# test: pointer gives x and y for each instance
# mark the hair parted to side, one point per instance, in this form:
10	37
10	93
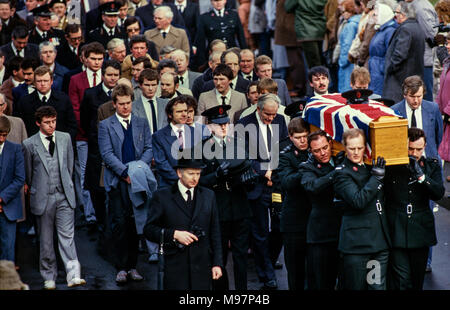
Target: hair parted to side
353	133
43	70
360	74
122	90
44	111
5	124
415	134
412	84
266	98
297	125
267	84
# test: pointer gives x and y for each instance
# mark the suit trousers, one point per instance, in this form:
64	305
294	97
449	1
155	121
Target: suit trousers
7	237
275	237
259	240
407	268
322	265
235	233
57	214
356	268
295	259
123	227
82	151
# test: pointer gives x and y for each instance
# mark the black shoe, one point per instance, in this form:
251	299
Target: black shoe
278	265
270	285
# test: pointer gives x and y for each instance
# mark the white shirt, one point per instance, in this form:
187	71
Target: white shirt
21	53
106	89
90	76
185	77
31	89
316	94
181	4
148	111
248	74
52	67
41	33
263	128
183	189
108	29
165	30
2	73
47	95
219	13
219	97
234	82
176	129
417	114
44	140
1	147
16	83
122	120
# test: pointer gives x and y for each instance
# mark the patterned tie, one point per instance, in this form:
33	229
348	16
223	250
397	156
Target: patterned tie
224	100
154	122
413	119
51	147
180	139
189	199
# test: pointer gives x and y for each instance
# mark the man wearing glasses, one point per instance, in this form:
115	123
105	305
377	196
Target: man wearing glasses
69	51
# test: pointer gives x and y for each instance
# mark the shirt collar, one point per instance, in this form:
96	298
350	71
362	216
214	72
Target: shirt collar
183	4
177	127
228	94
165	30
408	108
218	13
108	29
121	119
105	89
234	81
15	49
183	189
16	83
44	138
47	95
41	33
52	67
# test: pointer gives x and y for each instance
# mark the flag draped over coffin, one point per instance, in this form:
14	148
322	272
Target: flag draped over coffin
332	114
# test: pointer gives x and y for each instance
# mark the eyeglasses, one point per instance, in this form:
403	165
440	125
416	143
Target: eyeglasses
3	134
75	39
397	12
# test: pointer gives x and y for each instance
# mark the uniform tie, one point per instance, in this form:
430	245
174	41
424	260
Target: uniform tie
51	147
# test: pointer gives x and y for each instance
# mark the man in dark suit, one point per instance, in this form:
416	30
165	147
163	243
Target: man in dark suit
19	45
27	66
219	23
69	50
47	53
364	234
238	83
222	175
43	31
247	65
145	14
108	29
44	95
184	218
9	20
123	138
12	179
213	61
170	139
409	188
93	98
322	231
261	137
190	12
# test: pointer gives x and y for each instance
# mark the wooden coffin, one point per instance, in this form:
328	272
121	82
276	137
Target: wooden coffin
388	138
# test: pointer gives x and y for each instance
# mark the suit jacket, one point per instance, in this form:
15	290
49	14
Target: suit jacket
55	36
190	267
145	13
27	106
93	19
283	92
127	63
241	85
258	153
67	57
176	37
161	118
6	89
104	111
190	16
78	84
68	76
12	178
58	76
31	50
254	76
110	141
208	100
431	122
37	174
100	35
14	21
199	82
192	76
163	141
18	132
132	9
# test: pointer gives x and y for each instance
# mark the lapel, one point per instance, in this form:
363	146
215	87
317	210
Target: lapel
178	199
59	150
84	80
137	130
168	135
5	159
427	117
138	108
160	107
40	150
115	124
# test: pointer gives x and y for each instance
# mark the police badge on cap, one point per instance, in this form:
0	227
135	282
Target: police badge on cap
110	8
217	114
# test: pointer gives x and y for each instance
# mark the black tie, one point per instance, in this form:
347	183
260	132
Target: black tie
44	35
127	122
413	119
51	147
109	93
179	9
223	100
164	34
189	198
181	79
154	123
44	100
231	85
249	77
269	139
111	33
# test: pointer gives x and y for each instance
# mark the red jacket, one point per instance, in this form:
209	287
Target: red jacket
78	84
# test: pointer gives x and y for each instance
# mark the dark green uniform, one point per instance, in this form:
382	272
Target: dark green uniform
294	215
411	221
234	211
364	234
323	224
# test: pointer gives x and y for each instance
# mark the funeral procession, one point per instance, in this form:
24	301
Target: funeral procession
224	146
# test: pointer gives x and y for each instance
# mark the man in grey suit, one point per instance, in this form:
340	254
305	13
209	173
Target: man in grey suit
186	77
49	166
148	106
123	138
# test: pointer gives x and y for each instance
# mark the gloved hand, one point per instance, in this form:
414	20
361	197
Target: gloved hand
379	169
249	177
415	168
222	170
339	159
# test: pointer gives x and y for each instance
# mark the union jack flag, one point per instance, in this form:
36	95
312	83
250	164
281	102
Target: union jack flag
332	114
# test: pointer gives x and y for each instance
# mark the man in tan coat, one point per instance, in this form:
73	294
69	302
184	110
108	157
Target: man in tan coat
165	34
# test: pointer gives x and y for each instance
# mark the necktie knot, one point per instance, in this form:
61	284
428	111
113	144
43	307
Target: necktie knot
51	147
413	119
181	79
231	85
44	35
189	198
164	34
109	93
127	121
249	77
44	99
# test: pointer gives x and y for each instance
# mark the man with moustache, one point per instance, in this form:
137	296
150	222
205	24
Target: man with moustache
319	80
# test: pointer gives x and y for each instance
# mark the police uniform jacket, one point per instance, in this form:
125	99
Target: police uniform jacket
325	219
231	196
411	222
296	205
210	27
102	36
55	36
190	267
364	226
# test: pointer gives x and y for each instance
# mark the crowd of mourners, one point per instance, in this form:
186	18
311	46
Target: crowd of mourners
176	130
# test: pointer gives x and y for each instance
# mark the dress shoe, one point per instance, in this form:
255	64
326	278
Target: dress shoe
134	275
49	285
153	258
428	269
76	282
278	265
270	285
121	277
